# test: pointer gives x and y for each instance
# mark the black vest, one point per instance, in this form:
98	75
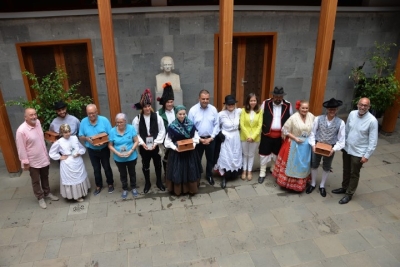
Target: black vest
269	115
153	126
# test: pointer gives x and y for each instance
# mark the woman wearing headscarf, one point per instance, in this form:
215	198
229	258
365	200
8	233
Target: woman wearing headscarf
184	168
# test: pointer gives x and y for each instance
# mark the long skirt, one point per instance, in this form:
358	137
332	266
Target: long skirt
183	172
296	184
75	191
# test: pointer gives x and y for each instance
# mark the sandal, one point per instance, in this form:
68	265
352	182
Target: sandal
249	176
244	175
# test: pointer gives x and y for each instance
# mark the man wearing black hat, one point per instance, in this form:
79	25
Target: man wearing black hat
167	113
327	129
276	112
63	117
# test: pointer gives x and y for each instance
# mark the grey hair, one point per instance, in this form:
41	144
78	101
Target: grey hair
120	116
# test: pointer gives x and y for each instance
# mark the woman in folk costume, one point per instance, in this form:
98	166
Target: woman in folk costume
292	168
230	156
250	129
168	113
151	132
184	168
74	183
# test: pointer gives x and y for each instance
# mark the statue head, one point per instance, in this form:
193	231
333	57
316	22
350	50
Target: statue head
167	64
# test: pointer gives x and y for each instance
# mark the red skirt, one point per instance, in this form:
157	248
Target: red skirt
282	179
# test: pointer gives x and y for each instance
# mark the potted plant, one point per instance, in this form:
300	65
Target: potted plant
381	85
48	90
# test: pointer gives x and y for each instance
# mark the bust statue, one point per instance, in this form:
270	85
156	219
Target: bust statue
167	65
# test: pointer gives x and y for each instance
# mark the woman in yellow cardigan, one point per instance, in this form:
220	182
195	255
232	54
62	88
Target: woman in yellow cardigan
250	128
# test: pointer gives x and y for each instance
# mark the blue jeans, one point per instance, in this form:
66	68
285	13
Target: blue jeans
98	158
209	149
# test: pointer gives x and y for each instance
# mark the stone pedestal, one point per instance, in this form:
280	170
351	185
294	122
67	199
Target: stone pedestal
178	95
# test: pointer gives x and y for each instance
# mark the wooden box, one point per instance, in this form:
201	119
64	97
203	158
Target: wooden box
99	139
185	145
51	136
323	149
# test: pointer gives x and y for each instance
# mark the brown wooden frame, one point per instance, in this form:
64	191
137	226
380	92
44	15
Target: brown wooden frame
267	68
59	62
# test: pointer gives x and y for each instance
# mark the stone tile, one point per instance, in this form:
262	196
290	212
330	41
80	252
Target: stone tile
394	208
71	246
373	236
11	254
380	198
30	204
140	257
245	191
162	217
128	239
210	228
83	227
216	210
263	219
6	236
359	259
110	241
353	241
60	262
15	182
229	224
82	260
394	250
27	264
240	242
197	213
120	208
241	259
97	210
383	215
244	222
235	207
284	234
148	204
333	262
383	257
200	199
41	216
336	208
265	203
345	221
393	180
34	251
93	244
56	230
180	215
7	193
166	253
330	245
307	251
18	219
261	238
294	199
189	251
182	232
210	262
364	218
260	189
26	234
9	206
172	202
232	194
219	195
286	255
214	247
286	215
151	235
262	256
137	220
378	184
52	249
22	191
373	172
389	231
109	224
306	230
113	258
77	211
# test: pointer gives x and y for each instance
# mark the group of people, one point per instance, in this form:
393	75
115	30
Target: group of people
228	138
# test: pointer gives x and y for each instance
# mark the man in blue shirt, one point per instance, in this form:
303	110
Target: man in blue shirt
361	139
205	118
99	155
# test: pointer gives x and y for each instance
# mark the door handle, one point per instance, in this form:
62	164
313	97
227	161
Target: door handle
243	81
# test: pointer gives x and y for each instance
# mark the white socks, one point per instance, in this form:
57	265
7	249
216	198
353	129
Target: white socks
314	173
263	169
324	177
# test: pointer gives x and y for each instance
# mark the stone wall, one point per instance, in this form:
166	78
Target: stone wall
142	39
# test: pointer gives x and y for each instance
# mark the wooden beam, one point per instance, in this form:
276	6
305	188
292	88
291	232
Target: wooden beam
322	54
110	66
7	142
392	113
225	49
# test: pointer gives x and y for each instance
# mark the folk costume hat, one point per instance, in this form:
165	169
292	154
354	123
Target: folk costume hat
59	105
168	94
332	103
278	91
230	100
145	99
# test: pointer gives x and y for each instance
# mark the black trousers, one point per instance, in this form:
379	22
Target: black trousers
124	168
148	155
209	149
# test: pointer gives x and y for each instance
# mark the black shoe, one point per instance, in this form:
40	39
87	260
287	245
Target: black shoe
160	186
261	179
322	191
97	191
345	199
110	189
210	180
339	191
146	188
309	189
223	183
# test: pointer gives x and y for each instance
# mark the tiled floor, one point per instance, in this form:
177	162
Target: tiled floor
247	224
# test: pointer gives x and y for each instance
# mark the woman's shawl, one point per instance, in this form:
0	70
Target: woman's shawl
181	130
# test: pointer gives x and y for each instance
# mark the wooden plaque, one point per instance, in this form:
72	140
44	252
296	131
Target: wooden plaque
51	136
185	145
99	139
323	149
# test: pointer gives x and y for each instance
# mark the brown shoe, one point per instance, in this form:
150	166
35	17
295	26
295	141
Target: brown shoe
244	175
249	176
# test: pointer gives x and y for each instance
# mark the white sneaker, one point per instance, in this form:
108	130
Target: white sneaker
52	197
79	199
42	203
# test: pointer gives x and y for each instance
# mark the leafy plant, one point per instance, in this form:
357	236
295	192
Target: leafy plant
380	86
48	90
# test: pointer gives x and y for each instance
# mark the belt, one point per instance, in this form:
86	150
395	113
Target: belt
97	149
205	137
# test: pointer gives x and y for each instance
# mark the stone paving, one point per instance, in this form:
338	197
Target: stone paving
247	224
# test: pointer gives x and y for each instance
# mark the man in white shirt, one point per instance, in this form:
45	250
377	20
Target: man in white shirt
276	112
151	133
361	140
327	129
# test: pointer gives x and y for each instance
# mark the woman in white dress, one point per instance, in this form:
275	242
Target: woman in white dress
74	183
230	155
